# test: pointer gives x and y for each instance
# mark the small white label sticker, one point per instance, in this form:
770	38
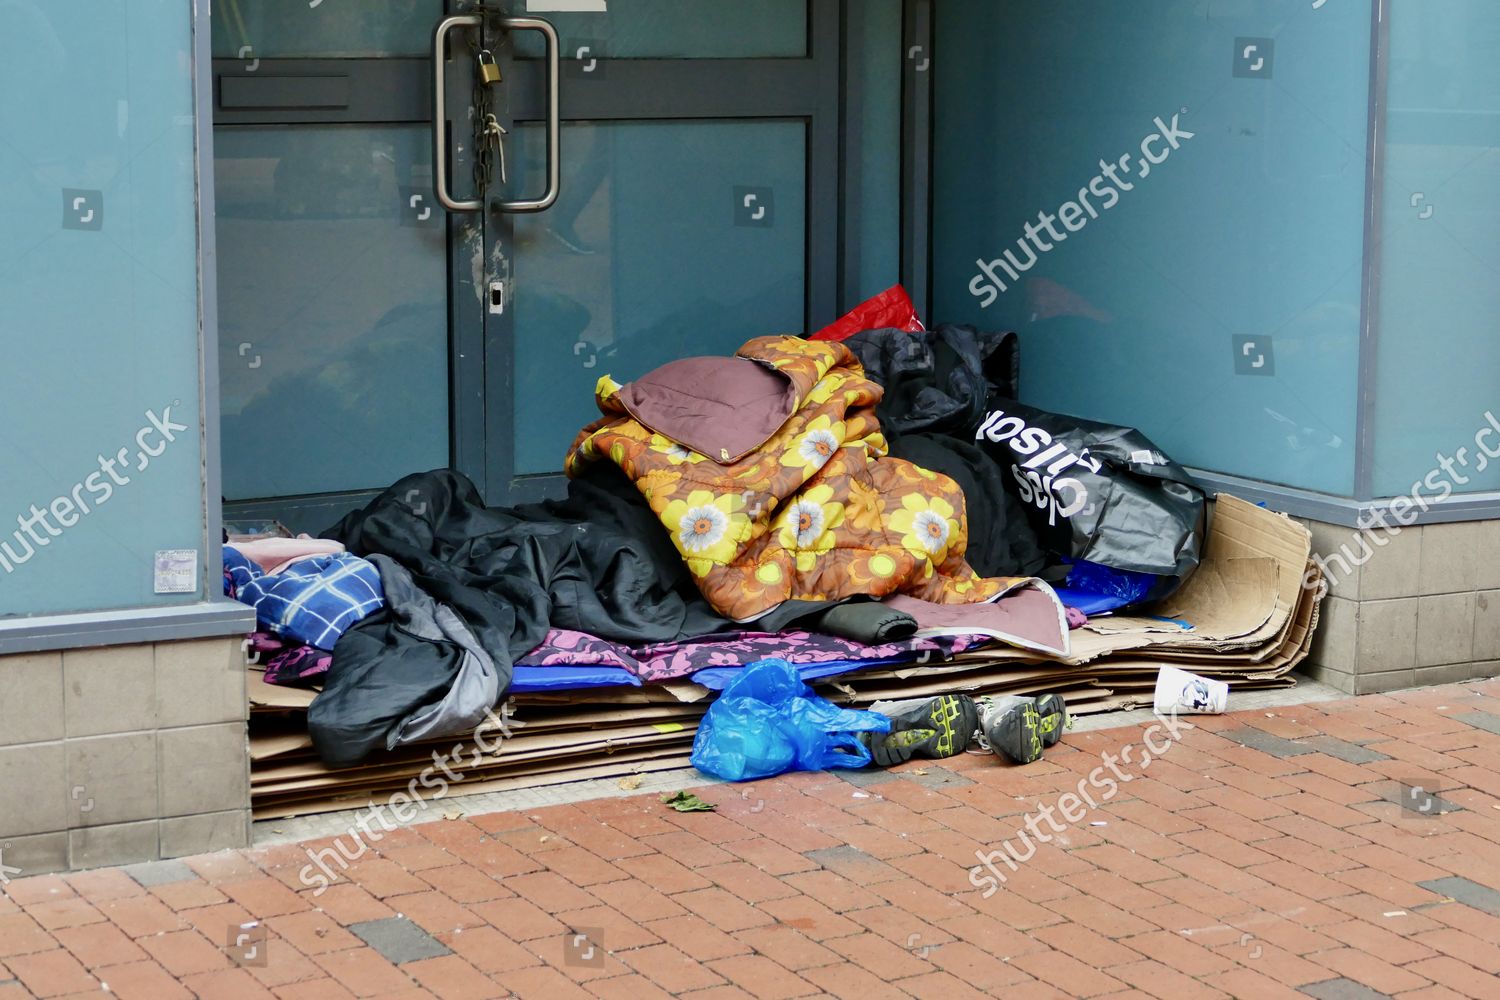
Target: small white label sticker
176	571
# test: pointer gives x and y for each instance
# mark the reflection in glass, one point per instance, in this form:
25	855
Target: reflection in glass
286	29
1440	248
98	302
333	313
1251	229
645	259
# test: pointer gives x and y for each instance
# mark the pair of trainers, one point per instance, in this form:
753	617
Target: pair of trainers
1011	726
1020	728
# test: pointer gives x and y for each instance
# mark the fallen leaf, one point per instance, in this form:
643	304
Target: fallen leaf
687	802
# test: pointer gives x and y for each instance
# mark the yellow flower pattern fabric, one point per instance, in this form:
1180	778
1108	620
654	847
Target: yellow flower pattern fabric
926	524
708	528
819	511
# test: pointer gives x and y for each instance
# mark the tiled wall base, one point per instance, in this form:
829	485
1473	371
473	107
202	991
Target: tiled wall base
121	754
1409	608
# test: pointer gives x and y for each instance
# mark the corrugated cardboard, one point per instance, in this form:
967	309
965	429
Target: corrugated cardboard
1251	619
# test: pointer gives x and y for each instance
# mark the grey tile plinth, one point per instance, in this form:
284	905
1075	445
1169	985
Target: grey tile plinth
109	690
1450	558
1387	635
204	769
206	833
199	682
1394	567
1445	629
36	855
111	779
1335	643
118	844
31	698
33	789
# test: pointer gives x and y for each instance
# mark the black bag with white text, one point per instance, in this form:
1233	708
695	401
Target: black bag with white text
1097	492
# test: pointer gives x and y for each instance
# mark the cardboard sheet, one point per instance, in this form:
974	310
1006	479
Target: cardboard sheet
1252	622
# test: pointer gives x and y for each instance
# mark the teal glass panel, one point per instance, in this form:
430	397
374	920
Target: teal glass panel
286	29
1438	368
99	327
1214	303
673	29
872	104
333	314
670	239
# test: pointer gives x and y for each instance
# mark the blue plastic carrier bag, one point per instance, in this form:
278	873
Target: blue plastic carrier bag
767	721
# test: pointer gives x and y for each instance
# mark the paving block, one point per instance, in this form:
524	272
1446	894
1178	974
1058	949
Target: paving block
1343	989
1265	742
399	940
1351	753
1467	892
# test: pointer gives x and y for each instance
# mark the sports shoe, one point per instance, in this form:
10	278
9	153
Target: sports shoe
1012	727
936	728
1054	717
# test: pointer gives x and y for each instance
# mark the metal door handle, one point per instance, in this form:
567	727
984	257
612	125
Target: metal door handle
554	162
440	112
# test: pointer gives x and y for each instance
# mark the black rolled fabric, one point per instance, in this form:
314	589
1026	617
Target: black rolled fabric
864	621
597	561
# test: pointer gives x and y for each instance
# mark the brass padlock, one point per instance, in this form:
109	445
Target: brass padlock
489	70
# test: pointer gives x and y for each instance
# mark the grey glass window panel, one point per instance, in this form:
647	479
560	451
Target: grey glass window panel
333	314
286	29
1252	228
678	29
100	315
665	271
1438	360
872	225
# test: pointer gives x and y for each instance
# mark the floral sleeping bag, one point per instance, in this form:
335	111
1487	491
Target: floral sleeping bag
771	475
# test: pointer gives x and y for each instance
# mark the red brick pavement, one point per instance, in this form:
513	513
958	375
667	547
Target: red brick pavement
1234	865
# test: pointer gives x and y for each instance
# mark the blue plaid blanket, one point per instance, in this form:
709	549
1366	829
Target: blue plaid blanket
311	601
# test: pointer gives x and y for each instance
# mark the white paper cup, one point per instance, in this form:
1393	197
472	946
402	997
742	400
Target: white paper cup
1178	691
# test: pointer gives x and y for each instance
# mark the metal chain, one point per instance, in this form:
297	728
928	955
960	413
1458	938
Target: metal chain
488	132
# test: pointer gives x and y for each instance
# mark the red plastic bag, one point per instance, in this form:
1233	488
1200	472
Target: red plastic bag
891	308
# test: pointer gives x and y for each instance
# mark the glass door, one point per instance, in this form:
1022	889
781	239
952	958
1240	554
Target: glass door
697	205
349	316
662	182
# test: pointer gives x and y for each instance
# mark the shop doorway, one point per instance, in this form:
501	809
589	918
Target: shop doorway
375	322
